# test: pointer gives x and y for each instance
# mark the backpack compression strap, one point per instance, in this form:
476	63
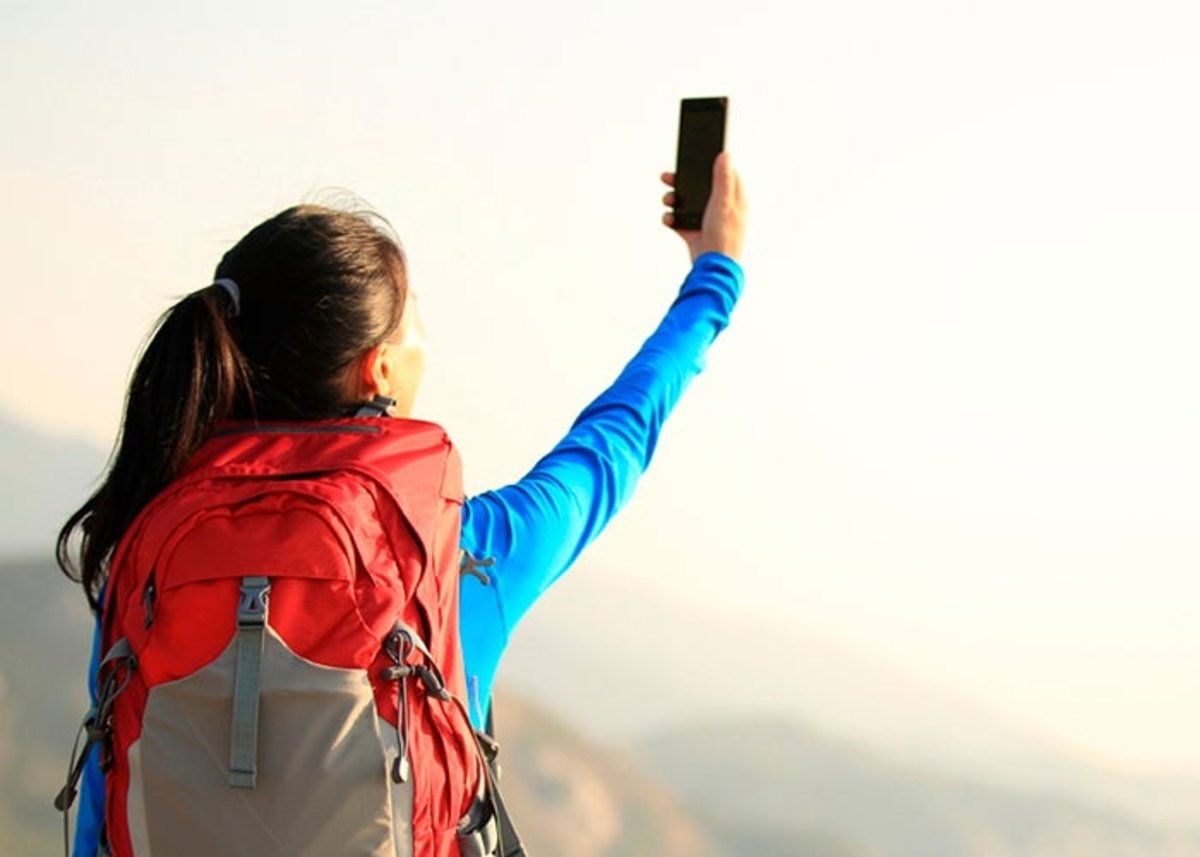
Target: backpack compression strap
247	682
114	673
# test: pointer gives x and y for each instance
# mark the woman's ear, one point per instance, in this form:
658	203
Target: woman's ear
374	372
394	368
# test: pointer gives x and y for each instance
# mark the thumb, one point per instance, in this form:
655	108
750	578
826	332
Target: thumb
722	174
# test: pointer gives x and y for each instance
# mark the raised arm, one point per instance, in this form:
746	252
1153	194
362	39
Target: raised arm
535	528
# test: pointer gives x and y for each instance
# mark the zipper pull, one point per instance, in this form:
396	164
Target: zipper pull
148	596
396	645
400	769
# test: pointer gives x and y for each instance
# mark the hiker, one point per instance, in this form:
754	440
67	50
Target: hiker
291	588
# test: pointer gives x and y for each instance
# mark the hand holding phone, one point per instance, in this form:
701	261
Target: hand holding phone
708	205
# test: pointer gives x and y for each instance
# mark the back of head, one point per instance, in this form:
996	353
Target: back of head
317	287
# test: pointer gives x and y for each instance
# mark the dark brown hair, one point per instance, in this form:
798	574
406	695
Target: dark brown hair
319	286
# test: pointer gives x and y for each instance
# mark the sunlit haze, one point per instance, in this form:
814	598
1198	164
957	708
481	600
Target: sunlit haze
952	424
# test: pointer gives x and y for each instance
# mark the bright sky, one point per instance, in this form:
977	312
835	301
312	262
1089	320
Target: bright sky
953	420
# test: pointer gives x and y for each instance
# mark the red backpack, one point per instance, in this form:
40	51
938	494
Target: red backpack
283	673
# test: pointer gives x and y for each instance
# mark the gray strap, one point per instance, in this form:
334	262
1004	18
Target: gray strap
120	650
96	723
377	407
477	830
247	681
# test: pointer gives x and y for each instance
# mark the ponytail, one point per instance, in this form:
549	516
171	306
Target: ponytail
191	375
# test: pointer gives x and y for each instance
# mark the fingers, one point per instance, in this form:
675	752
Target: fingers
668	178
669	198
668	218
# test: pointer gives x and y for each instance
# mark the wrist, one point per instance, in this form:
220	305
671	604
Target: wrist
729	251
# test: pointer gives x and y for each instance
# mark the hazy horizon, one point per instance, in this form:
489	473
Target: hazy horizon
950	424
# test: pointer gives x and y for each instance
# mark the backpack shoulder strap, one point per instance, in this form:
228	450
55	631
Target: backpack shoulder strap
509	838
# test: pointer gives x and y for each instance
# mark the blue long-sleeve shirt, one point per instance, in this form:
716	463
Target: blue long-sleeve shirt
535	528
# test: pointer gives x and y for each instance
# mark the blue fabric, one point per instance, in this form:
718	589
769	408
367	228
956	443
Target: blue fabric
536	527
91	786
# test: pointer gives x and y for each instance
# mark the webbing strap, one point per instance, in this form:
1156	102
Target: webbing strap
119	651
96	725
247	682
510	840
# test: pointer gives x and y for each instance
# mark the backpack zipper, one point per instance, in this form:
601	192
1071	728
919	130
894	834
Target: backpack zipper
148	596
275	428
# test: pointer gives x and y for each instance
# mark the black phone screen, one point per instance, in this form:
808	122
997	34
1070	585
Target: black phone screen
701	139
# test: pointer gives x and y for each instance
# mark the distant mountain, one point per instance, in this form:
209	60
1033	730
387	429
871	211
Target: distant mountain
622	660
44	479
742	775
45	637
572	798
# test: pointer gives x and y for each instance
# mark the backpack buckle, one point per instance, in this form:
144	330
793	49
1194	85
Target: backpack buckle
252	602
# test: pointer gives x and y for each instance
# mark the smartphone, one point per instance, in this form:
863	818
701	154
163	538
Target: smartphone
701	139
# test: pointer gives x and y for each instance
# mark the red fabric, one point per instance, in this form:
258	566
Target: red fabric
356	522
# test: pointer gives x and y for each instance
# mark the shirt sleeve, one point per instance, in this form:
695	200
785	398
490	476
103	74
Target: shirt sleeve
535	528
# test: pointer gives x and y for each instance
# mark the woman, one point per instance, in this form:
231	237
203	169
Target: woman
310	317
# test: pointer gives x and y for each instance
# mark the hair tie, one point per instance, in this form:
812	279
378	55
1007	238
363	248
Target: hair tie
234	292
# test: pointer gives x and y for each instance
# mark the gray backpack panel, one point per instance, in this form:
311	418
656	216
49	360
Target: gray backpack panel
317	726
